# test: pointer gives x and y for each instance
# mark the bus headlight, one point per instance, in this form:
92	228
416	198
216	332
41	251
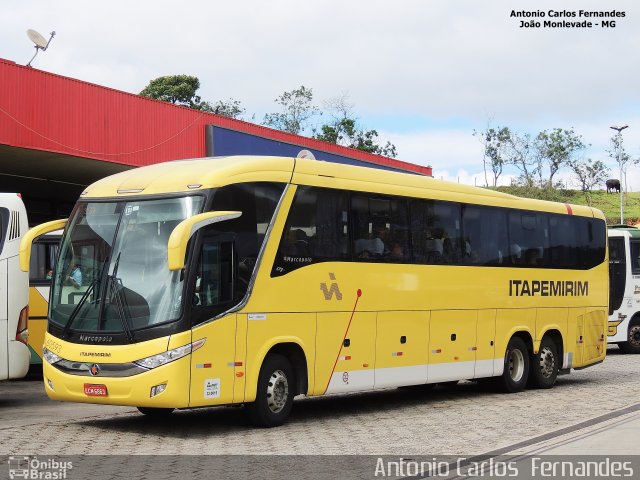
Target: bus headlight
49	356
170	355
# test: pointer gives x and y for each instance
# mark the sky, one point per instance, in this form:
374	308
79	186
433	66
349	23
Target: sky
424	73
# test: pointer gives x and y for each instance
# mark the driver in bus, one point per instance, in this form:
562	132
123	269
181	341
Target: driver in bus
75	277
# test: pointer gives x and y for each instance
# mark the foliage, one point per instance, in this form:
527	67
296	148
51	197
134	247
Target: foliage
230	108
558	147
589	174
181	90
522	155
297	108
496	142
177	89
622	158
344	130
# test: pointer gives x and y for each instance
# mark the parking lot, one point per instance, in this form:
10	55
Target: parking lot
462	420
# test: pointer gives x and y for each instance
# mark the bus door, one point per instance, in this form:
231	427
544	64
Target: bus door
617	272
452	345
212	292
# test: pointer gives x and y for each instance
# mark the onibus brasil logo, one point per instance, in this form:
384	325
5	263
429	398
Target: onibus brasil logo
32	467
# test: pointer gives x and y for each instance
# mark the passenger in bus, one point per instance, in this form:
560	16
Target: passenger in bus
297	243
516	254
532	256
434	247
382	233
75	277
374	245
397	252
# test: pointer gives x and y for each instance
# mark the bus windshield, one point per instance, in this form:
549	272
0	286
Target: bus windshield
112	273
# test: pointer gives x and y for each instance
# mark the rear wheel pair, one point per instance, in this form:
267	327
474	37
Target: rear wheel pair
522	368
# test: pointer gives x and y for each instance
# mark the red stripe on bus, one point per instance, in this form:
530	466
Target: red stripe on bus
358	295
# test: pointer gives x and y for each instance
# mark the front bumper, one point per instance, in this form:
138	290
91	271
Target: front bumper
130	390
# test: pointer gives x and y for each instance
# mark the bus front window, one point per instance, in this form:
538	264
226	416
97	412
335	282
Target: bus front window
112	274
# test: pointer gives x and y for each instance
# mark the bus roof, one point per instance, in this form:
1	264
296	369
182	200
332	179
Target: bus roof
620	230
204	173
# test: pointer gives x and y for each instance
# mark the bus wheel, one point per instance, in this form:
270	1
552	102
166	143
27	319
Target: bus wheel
544	365
155	412
274	396
516	367
632	345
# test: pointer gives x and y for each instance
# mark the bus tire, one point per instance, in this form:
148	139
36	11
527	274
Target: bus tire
544	365
275	392
516	367
155	412
632	345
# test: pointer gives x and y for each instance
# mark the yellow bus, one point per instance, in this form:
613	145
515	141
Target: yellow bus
250	280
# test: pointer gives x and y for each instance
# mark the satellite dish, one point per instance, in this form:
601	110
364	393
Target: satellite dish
38	39
306	154
40	42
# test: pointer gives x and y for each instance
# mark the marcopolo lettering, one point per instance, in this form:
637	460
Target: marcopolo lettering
96	338
548	288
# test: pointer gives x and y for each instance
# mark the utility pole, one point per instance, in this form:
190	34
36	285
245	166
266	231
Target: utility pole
619	130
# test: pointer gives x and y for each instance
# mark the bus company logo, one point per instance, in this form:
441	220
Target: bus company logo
95	354
94	369
613	328
96	338
329	292
33	467
548	288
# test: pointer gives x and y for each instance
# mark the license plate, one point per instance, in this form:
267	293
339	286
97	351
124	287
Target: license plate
93	390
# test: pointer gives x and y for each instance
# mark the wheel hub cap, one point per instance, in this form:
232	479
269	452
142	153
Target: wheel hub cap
634	336
547	362
516	365
277	391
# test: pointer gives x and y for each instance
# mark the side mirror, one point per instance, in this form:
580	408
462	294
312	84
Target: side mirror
179	238
31	235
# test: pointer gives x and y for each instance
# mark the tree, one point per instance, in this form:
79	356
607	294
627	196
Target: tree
622	158
344	130
177	89
230	108
496	142
520	153
297	108
589	174
181	90
558	147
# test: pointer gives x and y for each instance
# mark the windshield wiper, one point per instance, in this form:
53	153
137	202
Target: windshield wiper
76	310
114	290
83	299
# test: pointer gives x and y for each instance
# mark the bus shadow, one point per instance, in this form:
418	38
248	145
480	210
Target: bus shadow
220	421
211	421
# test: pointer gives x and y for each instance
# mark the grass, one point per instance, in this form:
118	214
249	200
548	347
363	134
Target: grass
609	203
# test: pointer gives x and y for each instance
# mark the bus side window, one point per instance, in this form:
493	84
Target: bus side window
634	250
215	279
316	230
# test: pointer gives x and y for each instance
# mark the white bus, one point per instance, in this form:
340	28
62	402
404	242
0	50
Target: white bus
624	287
14	290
